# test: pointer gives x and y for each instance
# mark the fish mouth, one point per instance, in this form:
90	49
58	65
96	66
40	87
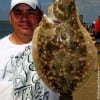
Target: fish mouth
52	20
57	21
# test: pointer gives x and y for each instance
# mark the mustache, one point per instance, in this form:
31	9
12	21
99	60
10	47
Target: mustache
25	23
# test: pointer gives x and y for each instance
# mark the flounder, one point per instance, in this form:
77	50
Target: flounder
63	51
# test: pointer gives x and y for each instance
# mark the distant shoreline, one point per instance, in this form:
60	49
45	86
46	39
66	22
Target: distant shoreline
4	21
5	28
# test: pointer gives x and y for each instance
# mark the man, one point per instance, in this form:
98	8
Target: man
18	77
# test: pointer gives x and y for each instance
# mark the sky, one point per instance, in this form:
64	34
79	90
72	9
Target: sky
90	9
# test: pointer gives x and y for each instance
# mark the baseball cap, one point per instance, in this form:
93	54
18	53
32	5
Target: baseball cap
31	3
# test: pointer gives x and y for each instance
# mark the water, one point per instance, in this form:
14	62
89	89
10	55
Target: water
5	28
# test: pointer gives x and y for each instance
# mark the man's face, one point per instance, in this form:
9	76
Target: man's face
24	19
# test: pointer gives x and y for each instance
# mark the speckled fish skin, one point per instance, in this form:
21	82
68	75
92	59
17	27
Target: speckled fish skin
64	54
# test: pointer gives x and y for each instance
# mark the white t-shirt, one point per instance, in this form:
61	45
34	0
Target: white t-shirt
18	77
27	84
7	49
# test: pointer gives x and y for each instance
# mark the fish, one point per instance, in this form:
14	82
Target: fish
62	49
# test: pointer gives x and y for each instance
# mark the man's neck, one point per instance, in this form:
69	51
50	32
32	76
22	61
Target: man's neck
18	40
